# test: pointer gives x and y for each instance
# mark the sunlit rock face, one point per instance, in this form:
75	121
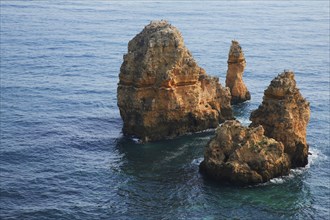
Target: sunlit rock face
162	92
243	156
284	114
234	78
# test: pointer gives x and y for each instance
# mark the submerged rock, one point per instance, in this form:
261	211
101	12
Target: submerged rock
234	78
242	155
162	91
284	114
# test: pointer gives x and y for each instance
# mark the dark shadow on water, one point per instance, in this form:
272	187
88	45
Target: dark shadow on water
160	176
242	109
164	176
286	198
155	156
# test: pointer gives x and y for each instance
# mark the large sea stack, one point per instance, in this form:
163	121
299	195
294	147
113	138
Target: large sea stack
234	78
243	156
284	114
162	92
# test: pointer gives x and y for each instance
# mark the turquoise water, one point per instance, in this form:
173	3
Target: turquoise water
63	155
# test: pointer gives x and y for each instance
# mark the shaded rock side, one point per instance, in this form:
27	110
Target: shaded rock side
284	114
234	78
244	156
162	92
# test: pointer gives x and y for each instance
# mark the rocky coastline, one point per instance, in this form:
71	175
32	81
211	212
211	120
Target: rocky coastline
273	143
162	93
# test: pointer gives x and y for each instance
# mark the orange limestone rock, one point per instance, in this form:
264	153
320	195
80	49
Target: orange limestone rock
234	78
243	155
284	114
162	92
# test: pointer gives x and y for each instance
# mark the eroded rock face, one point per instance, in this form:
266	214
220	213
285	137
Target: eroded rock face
234	78
162	91
242	155
284	114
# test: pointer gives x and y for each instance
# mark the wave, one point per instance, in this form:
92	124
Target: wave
197	161
314	157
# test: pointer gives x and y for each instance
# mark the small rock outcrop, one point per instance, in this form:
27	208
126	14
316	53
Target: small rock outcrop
234	78
284	114
162	92
243	156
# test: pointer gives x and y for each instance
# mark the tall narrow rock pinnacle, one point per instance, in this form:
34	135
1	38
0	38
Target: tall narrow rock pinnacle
234	78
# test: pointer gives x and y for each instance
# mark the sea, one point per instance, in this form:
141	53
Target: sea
63	154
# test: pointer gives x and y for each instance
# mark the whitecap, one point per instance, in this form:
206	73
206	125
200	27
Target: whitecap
244	121
315	155
292	174
278	180
297	171
136	140
197	161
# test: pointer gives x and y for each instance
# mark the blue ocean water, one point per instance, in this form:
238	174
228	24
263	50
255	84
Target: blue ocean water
63	155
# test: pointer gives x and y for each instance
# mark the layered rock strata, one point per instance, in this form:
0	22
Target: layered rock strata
234	78
243	155
284	114
162	92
